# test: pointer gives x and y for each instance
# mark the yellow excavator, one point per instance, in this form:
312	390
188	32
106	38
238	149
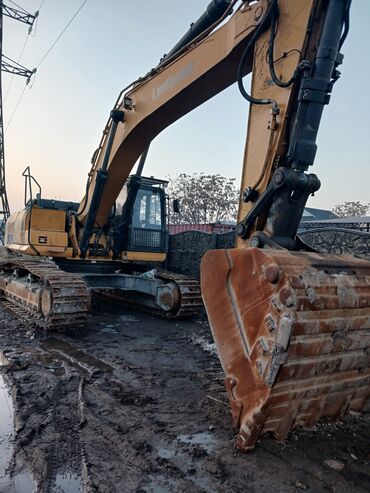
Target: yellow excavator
291	325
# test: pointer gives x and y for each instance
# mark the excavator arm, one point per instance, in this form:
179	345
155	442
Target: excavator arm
178	85
213	61
291	325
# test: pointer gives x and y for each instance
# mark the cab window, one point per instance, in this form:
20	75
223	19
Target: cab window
147	210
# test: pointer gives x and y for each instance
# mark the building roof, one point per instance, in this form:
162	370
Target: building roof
344	220
313	214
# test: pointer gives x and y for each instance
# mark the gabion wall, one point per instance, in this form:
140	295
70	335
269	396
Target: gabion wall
186	249
339	241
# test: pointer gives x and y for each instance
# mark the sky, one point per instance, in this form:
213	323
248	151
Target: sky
61	116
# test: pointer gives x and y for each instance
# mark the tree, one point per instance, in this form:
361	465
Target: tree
351	209
204	198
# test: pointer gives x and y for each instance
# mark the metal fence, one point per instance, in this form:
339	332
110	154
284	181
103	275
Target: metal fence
353	223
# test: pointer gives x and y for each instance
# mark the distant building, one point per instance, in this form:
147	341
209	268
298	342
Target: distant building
312	219
354	223
312	214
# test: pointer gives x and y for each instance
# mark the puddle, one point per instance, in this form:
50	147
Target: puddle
3	359
22	482
204	439
160	484
128	319
165	453
6	426
47	360
61	350
67	483
108	330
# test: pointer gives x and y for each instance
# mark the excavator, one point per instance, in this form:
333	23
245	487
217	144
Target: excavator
291	325
125	262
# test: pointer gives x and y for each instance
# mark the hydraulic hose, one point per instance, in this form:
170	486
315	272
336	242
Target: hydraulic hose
266	22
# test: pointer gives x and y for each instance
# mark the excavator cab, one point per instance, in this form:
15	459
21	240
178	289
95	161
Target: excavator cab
139	229
147	230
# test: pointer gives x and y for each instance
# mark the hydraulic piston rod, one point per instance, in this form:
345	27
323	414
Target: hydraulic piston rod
213	13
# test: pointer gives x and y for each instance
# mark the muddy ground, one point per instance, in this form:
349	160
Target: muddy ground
137	404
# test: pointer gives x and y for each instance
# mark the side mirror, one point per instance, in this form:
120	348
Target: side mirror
176	206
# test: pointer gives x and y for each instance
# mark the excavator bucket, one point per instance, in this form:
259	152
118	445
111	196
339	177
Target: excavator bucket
292	331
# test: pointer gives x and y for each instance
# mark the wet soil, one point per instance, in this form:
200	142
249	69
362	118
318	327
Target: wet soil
137	404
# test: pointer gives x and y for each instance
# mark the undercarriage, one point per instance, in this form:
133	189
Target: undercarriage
58	297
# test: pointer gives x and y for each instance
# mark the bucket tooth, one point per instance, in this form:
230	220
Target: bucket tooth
292	331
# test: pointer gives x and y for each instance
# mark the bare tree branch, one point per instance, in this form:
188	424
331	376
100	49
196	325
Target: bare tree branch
351	209
204	198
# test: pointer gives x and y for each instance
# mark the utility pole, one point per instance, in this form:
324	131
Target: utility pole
8	65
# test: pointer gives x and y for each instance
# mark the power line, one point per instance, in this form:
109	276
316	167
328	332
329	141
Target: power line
18	6
12	78
23	48
63	31
36	23
43	58
16	107
8	65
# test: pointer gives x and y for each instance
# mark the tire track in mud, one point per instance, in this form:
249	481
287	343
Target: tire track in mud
132	425
103	438
135	404
47	437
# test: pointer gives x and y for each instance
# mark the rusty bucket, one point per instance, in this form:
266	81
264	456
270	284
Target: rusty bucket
292	331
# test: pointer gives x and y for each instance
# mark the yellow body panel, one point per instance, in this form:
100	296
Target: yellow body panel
47	237
41	250
42	232
38	231
144	256
48	219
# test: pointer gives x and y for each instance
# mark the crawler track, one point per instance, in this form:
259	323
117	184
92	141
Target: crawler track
38	290
190	296
182	299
